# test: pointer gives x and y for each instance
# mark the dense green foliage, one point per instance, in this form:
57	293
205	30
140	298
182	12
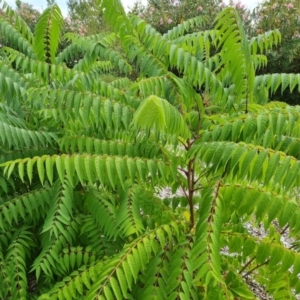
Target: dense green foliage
31	17
267	15
84	156
282	15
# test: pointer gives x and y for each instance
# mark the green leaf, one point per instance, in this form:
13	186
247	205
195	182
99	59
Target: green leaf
243	292
157	113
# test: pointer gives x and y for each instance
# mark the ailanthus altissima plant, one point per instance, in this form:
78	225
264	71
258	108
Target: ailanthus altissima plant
85	155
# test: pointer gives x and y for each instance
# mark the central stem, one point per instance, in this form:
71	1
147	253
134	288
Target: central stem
191	182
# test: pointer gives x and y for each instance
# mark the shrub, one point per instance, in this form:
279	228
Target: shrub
85	154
